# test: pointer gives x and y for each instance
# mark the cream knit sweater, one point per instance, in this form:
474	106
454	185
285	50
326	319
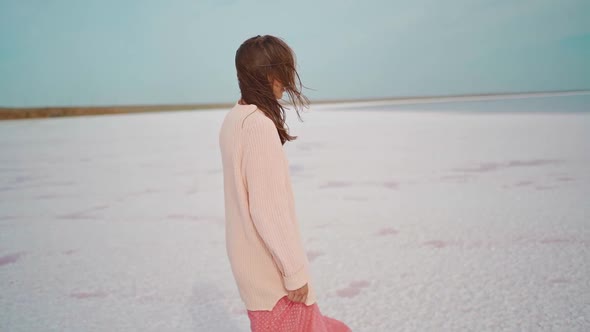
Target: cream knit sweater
262	235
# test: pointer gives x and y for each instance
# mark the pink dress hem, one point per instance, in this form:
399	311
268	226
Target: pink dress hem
289	316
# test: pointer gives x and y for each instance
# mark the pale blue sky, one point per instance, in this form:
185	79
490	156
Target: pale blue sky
150	52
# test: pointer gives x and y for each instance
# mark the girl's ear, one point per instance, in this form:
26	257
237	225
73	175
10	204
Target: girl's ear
274	83
272	80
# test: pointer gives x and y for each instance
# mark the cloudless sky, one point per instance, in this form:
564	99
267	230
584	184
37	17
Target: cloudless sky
110	52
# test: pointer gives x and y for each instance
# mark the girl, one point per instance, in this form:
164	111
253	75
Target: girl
263	242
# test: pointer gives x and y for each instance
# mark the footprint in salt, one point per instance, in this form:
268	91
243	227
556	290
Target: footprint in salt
46	196
565	178
348	292
313	254
523	183
437	243
83	214
11	258
296	169
555	239
387	231
391	184
87	295
353	289
360	284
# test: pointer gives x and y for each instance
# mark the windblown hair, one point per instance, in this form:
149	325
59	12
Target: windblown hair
259	60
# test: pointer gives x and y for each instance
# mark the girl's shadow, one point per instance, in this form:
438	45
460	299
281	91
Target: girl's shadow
209	313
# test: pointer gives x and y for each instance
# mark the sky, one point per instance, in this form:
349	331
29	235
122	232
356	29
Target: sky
107	52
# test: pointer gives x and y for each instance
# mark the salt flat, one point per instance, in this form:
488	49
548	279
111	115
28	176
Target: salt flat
412	220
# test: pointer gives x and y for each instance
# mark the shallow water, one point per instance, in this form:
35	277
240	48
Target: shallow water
562	104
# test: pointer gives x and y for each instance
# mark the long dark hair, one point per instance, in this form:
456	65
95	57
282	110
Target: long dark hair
259	60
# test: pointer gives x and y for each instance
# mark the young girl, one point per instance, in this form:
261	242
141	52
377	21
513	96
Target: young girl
263	242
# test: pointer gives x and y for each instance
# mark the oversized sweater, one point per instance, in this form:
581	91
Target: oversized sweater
263	240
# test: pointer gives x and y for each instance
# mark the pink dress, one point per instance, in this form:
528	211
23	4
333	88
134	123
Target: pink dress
289	316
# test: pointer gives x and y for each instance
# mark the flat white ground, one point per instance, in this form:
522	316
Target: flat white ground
417	221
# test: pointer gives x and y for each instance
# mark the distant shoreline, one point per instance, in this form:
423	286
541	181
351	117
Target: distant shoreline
15	113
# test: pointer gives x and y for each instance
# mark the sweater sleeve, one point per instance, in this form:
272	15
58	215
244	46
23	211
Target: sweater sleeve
271	201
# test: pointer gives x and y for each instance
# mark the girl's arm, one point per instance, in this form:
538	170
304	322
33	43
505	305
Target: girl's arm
271	199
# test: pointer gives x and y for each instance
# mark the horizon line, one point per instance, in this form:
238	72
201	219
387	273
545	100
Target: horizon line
12	113
321	101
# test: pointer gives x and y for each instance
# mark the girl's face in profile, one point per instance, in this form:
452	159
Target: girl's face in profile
278	89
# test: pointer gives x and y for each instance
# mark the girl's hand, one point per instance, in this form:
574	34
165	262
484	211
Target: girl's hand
298	295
